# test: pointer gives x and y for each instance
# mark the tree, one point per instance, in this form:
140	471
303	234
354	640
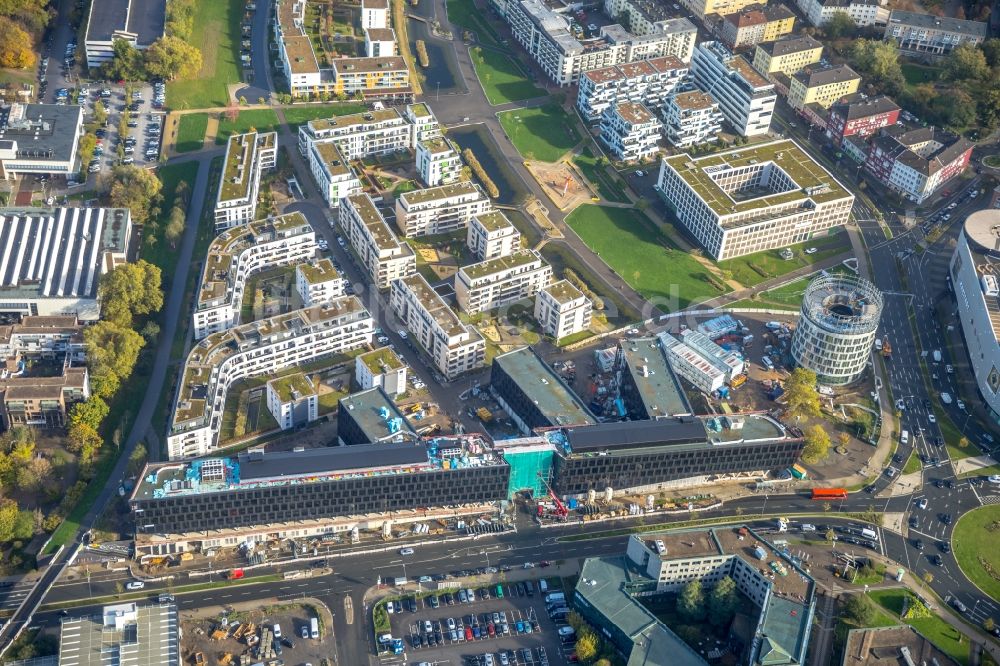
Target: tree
965	62
83	439
171	57
136	189
840	24
860	609
878	61
111	355
15	46
32	477
928	577
586	646
8	519
844	438
817	446
989	624
130	289
180	18
150	331
125	63
86	147
91	412
175	226
691	602
830	535
722	602
991	50
100	112
801	396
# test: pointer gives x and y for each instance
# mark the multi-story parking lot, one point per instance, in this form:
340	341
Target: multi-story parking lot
502	624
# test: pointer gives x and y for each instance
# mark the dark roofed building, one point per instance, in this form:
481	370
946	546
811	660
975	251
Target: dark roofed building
39	139
138	22
931	36
371	416
860	115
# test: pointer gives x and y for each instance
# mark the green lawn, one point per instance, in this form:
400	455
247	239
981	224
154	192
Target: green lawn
916	74
609	186
937	631
160	252
263	120
545	133
643	256
992	161
191	132
217	34
788	296
465	14
300	115
982	471
762	266
975	545
502	78
912	464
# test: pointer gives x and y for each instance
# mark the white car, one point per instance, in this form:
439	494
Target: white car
812	250
932	418
946	398
949	369
382	339
900	405
401	333
640	173
135	585
994	478
922	504
960	404
277	630
406	551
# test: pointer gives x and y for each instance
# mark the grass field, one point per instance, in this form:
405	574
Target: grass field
767	265
160	252
974	541
617	311
609	187
916	74
789	296
263	120
464	13
544	133
217	34
300	115
645	258
191	132
502	78
943	635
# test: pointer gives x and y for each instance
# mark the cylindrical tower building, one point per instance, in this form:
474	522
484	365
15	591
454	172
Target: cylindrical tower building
836	331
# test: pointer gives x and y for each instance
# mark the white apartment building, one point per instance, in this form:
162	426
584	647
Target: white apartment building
365	134
492	235
39	139
380	42
333	175
630	131
546	36
424	123
440	210
863	12
453	347
374	14
561	309
381	368
691	118
372	77
437	162
317	281
250	350
380	252
646	82
497	282
293	401
746	99
247	155
930	36
238	253
691	365
752	198
49	337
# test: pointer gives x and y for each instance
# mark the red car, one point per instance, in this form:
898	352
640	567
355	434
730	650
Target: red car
468	633
543	563
491	629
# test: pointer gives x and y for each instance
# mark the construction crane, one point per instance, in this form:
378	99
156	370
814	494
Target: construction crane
561	510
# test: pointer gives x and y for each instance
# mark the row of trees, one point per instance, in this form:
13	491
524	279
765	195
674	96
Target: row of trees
167	58
422	56
477	168
21	25
717	607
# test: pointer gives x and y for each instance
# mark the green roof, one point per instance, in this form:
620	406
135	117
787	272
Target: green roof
339	122
439	192
491	266
381	360
785	153
493	221
241	150
436	145
420	110
297	383
563	291
319	271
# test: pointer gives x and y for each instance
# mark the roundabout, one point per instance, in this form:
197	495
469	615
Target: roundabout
975	540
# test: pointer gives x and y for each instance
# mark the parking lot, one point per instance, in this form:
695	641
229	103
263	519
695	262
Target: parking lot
503	624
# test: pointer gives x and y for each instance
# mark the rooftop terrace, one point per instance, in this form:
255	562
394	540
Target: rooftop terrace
377	227
563	291
237	172
381	360
443	315
292	387
813	181
353	120
317	272
494	220
440	193
332	159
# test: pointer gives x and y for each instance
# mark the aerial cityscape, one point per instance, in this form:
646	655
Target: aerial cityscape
500	333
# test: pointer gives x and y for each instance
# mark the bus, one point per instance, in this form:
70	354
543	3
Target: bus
829	493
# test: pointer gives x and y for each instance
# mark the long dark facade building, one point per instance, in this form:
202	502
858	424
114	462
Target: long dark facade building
641	454
266	488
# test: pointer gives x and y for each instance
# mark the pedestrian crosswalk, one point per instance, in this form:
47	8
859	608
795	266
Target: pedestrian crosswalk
990	499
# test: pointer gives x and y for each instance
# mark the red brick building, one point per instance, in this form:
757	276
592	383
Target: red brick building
860	115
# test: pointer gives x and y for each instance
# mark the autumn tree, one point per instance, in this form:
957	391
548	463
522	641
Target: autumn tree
175	225
129	290
91	412
878	62
801	396
136	189
180	18
966	61
586	646
112	352
100	112
15	46
34	475
86	147
817	446
126	62
171	57
8	519
860	609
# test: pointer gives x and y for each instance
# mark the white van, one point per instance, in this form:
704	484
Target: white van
904	437
554	597
806	527
869	534
767	363
543	586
